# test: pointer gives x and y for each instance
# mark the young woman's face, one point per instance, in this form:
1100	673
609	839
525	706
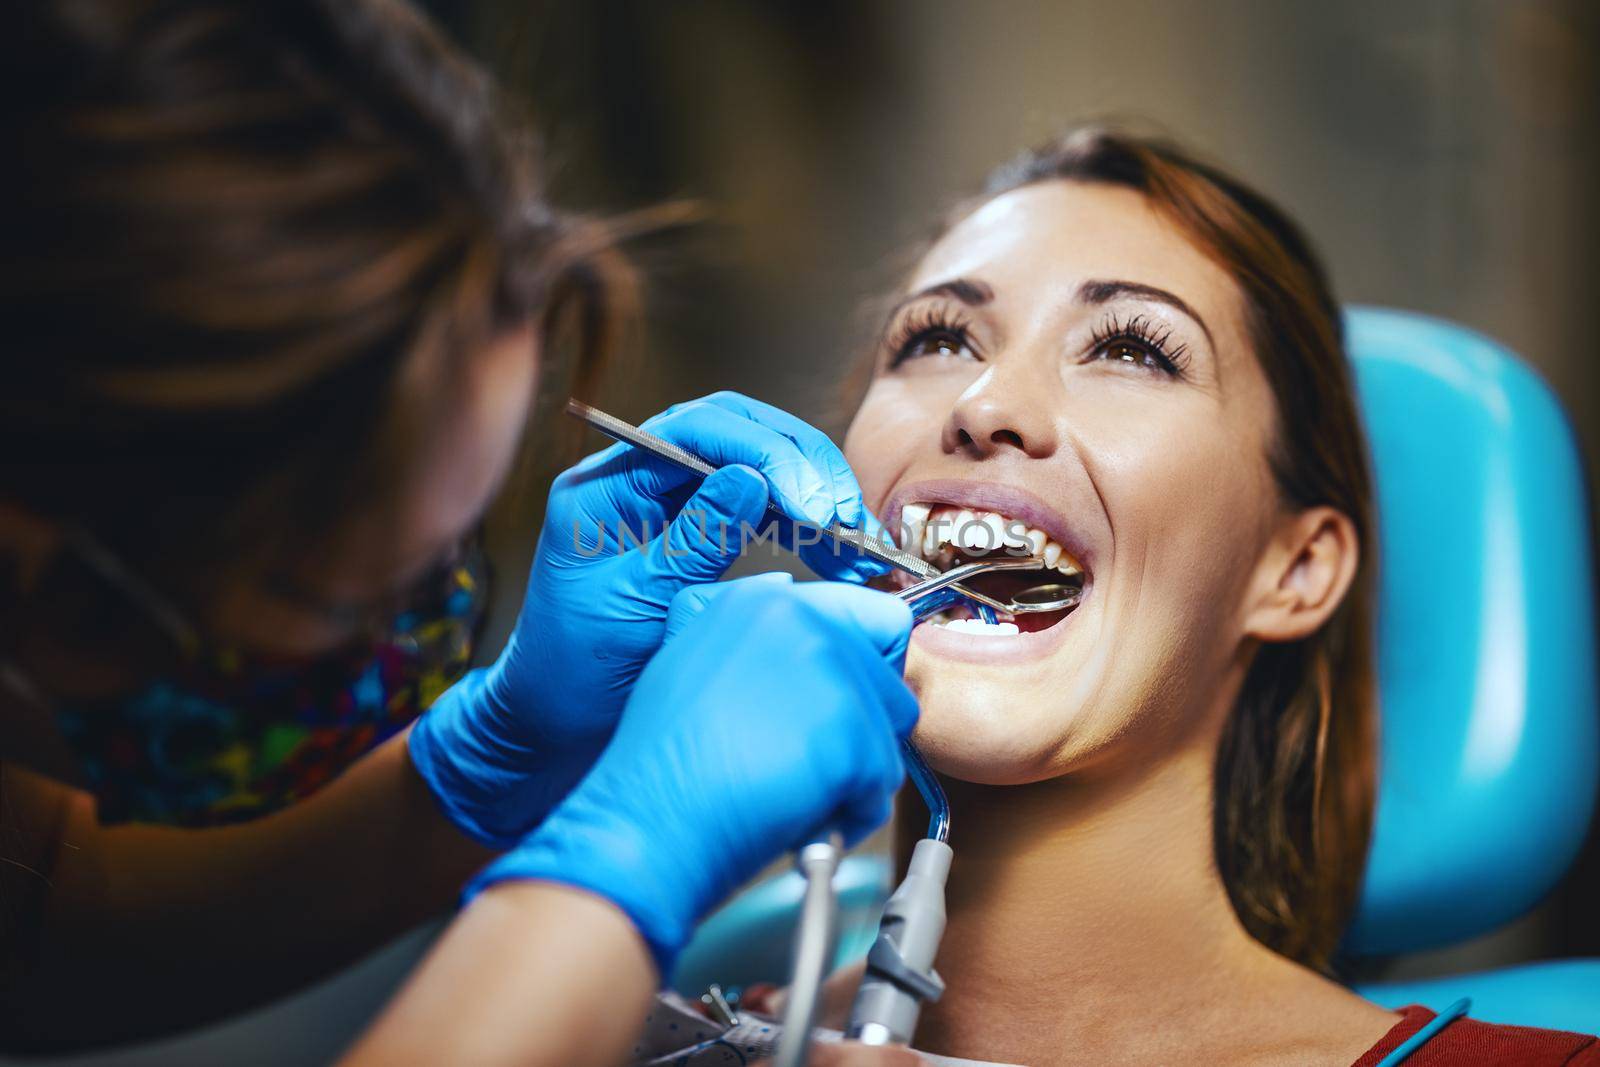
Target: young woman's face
1067	359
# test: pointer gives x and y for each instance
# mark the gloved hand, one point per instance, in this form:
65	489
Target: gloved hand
772	715
504	744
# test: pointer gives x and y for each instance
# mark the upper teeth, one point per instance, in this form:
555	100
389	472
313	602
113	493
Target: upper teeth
929	528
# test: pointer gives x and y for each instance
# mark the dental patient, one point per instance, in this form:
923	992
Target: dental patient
1130	365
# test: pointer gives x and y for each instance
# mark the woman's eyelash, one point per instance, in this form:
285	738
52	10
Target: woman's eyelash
1142	341
923	327
1138	339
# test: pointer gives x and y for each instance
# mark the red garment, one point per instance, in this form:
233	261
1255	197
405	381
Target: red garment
1467	1041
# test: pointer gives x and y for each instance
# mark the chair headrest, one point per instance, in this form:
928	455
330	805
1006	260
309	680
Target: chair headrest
1486	634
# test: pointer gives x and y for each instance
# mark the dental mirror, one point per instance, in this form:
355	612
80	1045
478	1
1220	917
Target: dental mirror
1047	596
1050	596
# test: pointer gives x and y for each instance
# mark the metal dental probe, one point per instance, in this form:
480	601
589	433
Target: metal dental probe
858	540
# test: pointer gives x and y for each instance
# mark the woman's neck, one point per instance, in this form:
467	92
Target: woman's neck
1081	905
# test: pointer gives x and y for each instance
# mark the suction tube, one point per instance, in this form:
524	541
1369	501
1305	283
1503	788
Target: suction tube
930	790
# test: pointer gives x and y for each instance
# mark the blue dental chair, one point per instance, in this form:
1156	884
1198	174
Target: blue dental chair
1486	638
1490	713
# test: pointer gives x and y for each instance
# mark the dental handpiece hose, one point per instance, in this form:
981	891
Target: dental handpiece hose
899	975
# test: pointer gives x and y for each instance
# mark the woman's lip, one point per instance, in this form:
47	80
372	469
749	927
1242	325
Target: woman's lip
947	644
1008	500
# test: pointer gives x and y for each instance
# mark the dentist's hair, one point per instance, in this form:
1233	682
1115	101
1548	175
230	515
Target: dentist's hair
250	251
1295	776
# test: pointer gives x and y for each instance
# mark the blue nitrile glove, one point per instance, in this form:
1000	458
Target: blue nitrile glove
772	715
503	745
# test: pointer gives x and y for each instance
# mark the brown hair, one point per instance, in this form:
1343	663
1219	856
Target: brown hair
1295	768
250	249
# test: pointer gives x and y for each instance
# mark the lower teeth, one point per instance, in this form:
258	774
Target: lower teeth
978	626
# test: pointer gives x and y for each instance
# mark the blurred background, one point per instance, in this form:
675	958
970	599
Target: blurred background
1443	154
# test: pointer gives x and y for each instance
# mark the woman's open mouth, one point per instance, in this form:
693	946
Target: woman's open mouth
948	535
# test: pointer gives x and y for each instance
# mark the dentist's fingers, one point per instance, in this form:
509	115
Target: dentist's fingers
868	803
639	485
816	446
694	599
827	559
801	488
883	618
884	621
808	478
704	539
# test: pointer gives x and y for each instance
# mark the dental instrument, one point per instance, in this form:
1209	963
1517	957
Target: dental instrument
813	949
1047	596
859	540
938	592
717	1003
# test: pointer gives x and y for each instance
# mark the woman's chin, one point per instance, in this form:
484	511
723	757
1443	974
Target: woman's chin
988	741
996	710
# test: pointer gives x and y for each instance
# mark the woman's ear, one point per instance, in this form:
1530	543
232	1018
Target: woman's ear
1303	575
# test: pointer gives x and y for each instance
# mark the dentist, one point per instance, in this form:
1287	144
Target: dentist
278	287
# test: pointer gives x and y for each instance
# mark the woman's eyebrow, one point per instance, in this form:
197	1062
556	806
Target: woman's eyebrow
1098	291
969	291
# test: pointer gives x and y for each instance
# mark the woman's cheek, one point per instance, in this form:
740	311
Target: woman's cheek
1202	545
891	421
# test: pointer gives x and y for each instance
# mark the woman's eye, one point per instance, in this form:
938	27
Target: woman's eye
1126	353
944	344
1140	343
1134	355
934	343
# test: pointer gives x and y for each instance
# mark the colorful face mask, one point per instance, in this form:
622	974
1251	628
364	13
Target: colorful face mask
225	739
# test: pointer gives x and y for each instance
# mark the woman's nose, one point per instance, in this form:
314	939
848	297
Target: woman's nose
1001	411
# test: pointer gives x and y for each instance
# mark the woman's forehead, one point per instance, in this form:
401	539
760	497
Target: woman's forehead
1050	237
